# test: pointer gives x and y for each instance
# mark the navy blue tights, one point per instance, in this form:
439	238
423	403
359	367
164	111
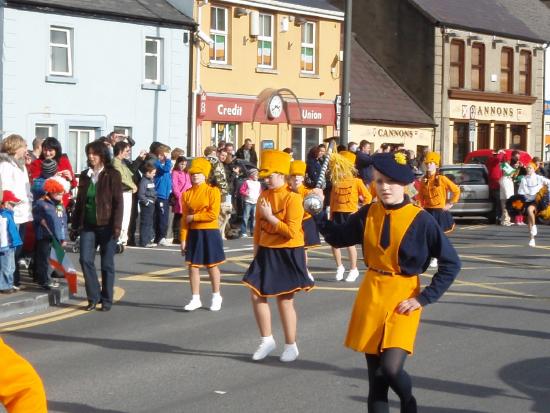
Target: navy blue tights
385	371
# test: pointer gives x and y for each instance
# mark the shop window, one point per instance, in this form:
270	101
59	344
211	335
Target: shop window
478	66
265	41
78	139
457	64
307	58
507	70
461	143
303	139
500	137
483	141
219	34
518	137
223	132
525	73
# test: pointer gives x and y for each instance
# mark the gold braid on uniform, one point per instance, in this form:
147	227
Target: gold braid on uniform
427	178
340	168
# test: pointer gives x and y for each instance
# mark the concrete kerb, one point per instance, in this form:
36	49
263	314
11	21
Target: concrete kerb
32	302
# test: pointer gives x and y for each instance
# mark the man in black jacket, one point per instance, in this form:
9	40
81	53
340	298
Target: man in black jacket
247	152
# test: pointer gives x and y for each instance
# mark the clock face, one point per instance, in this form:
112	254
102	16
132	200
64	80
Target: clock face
275	107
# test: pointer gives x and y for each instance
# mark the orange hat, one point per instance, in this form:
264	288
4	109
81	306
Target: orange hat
200	166
350	156
532	165
273	161
298	168
53	186
433	157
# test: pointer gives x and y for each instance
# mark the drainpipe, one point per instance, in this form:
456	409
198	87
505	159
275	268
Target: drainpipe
443	71
197	86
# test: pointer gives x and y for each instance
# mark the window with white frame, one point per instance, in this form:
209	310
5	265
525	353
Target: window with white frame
218	33
153	60
44	131
304	139
307	58
78	139
265	41
61	54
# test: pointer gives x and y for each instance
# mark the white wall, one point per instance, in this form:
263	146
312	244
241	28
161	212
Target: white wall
109	72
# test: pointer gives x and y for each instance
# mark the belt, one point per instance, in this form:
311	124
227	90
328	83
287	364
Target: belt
386	272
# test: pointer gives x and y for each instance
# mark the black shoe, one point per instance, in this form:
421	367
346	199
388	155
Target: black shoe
176	242
91	306
105	307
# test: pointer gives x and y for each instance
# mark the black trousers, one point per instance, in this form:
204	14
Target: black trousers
41	267
133	221
19	254
146	215
176	226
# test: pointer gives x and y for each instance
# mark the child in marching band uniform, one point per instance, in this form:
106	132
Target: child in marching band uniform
348	191
201	241
433	192
279	265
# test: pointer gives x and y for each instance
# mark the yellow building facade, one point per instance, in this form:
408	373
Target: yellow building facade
266	70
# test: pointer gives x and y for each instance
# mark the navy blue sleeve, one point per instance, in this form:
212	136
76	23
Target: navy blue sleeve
141	191
449	264
345	235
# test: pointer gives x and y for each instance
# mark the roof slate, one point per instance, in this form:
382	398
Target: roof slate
521	19
154	10
376	97
318	4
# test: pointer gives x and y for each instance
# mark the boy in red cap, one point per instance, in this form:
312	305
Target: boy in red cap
50	220
9	240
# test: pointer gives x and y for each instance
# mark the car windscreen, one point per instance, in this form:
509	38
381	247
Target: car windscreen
462	176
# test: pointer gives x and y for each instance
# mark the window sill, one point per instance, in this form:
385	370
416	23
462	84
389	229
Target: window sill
310	75
153	86
223	66
69	80
266	70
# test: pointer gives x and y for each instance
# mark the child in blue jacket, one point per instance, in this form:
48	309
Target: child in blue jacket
50	220
9	240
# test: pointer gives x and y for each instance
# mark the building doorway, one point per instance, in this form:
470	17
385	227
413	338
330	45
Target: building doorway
518	137
483	141
461	143
223	132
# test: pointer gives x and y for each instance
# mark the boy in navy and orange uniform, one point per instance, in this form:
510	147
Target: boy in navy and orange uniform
279	265
296	183
398	240
432	195
201	241
347	192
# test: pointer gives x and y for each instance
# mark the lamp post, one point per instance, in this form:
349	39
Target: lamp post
344	125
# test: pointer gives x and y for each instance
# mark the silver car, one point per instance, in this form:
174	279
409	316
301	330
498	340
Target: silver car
473	182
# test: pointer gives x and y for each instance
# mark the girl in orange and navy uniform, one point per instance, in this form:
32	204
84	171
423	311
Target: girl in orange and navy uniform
279	265
201	241
398	240
347	192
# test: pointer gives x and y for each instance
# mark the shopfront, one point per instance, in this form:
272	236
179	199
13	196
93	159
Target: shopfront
489	125
287	122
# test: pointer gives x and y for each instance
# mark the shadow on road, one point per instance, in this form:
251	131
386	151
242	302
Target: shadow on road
421	408
68	407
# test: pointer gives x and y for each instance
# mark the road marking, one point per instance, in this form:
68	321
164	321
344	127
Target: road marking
56	315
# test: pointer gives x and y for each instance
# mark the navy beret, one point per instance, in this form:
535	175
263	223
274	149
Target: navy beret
394	166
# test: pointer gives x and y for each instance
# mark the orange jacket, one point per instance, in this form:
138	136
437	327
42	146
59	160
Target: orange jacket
203	202
344	196
434	189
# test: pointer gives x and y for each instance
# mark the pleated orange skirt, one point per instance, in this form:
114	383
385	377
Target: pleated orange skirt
375	325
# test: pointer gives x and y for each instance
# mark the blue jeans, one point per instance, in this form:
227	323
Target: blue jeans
7	268
249	217
90	238
162	212
146	214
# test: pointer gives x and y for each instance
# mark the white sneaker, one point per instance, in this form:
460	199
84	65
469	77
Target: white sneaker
433	263
290	353
534	231
163	242
352	276
193	305
265	348
310	276
340	273
532	242
216	303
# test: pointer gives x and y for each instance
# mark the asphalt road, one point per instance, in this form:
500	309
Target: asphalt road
483	348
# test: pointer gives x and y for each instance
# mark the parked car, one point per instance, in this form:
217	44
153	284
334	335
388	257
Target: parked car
473	182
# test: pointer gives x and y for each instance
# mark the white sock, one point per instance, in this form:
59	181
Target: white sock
215	295
268	338
196	297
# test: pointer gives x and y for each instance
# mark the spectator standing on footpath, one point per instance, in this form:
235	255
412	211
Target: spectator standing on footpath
121	152
50	221
181	182
98	217
494	172
250	191
49	170
506	183
36	149
135	166
247	152
163	186
218	178
9	241
15	178
363	162
147	197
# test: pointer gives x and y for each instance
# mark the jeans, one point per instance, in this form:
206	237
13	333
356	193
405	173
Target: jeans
249	216
162	212
19	252
146	213
7	267
41	266
90	238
